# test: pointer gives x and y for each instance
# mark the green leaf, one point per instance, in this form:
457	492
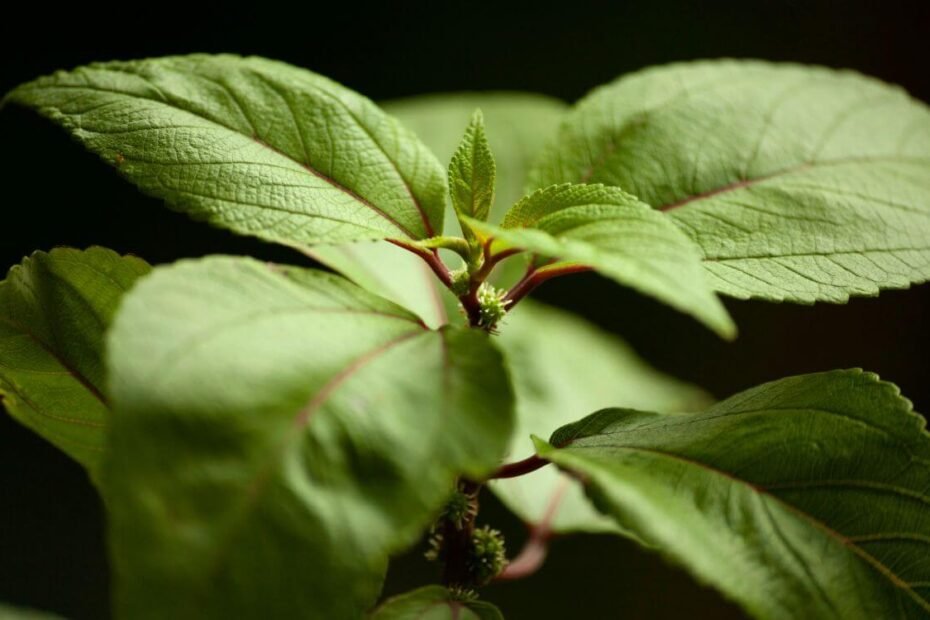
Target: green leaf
612	232
472	174
518	126
54	309
563	367
798	183
394	273
250	144
278	432
434	603
801	498
21	613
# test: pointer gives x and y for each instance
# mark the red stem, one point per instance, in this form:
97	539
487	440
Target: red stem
470	299
536	276
439	268
522	288
431	258
534	552
490	261
529	560
505	254
519	468
457	541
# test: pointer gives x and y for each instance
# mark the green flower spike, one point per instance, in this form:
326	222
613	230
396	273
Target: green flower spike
492	305
489	554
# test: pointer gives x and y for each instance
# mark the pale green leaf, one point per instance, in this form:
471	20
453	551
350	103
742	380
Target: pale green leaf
21	613
434	603
518	125
394	273
54	309
612	232
278	432
798	183
801	498
250	144
472	174
563	367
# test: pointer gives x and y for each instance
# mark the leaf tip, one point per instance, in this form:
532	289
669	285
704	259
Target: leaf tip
477	119
726	328
541	446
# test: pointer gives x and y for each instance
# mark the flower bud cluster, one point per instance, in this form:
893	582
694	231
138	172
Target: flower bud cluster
492	306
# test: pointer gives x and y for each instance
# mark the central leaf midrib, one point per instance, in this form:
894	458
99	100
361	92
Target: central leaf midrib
725	259
41	411
199	339
306	412
282	94
256	487
55	436
339	186
807	165
71	370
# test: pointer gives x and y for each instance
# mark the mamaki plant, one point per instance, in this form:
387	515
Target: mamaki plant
265	437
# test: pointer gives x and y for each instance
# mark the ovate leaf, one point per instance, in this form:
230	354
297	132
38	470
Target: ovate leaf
54	309
612	232
278	432
472	174
802	498
563	367
798	183
434	603
518	125
253	145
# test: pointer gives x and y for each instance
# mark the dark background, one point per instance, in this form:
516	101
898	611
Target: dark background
52	552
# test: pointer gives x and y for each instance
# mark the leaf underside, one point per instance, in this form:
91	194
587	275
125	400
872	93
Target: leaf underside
798	183
54	309
394	273
278	433
804	497
253	145
562	367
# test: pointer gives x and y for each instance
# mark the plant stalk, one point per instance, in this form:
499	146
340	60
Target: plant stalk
457	541
534	552
519	468
536	276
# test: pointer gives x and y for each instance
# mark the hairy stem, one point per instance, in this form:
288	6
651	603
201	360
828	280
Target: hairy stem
530	559
469	300
479	270
430	257
472	307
